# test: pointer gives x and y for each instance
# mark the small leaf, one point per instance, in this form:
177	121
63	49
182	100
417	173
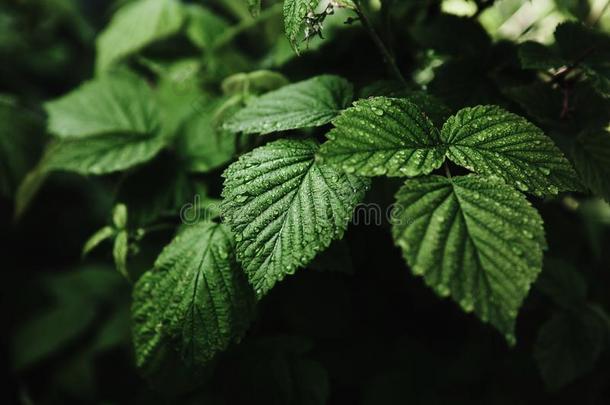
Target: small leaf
98	237
384	136
309	103
119	253
591	155
284	208
121	103
473	238
492	141
568	346
294	17
196	297
119	216
135	26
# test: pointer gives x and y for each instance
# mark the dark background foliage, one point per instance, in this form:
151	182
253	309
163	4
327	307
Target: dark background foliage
356	326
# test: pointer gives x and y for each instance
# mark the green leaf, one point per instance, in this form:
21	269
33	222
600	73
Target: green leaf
284	208
77	298
201	144
294	16
196	296
591	157
204	27
98	237
568	346
171	192
135	26
534	55
121	103
474	238
492	141
562	283
101	154
119	253
309	103
119	216
384	136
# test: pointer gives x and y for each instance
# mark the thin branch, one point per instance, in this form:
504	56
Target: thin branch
246	24
385	52
447	171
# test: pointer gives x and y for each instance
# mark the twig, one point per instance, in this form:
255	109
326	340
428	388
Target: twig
246	24
385	52
447	171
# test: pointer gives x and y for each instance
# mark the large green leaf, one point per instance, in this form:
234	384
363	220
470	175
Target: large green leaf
196	297
492	141
294	16
284	208
384	136
100	154
309	103
106	125
110	104
591	155
474	238
135	26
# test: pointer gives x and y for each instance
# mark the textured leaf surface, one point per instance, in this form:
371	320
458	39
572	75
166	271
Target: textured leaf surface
196	296
135	26
380	136
490	140
591	155
101	154
474	238
568	346
305	104
110	104
284	208
294	14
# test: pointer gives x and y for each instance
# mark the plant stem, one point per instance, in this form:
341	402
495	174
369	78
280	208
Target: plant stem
246	24
385	52
447	171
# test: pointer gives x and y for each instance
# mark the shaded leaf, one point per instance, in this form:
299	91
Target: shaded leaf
135	26
196	297
473	238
